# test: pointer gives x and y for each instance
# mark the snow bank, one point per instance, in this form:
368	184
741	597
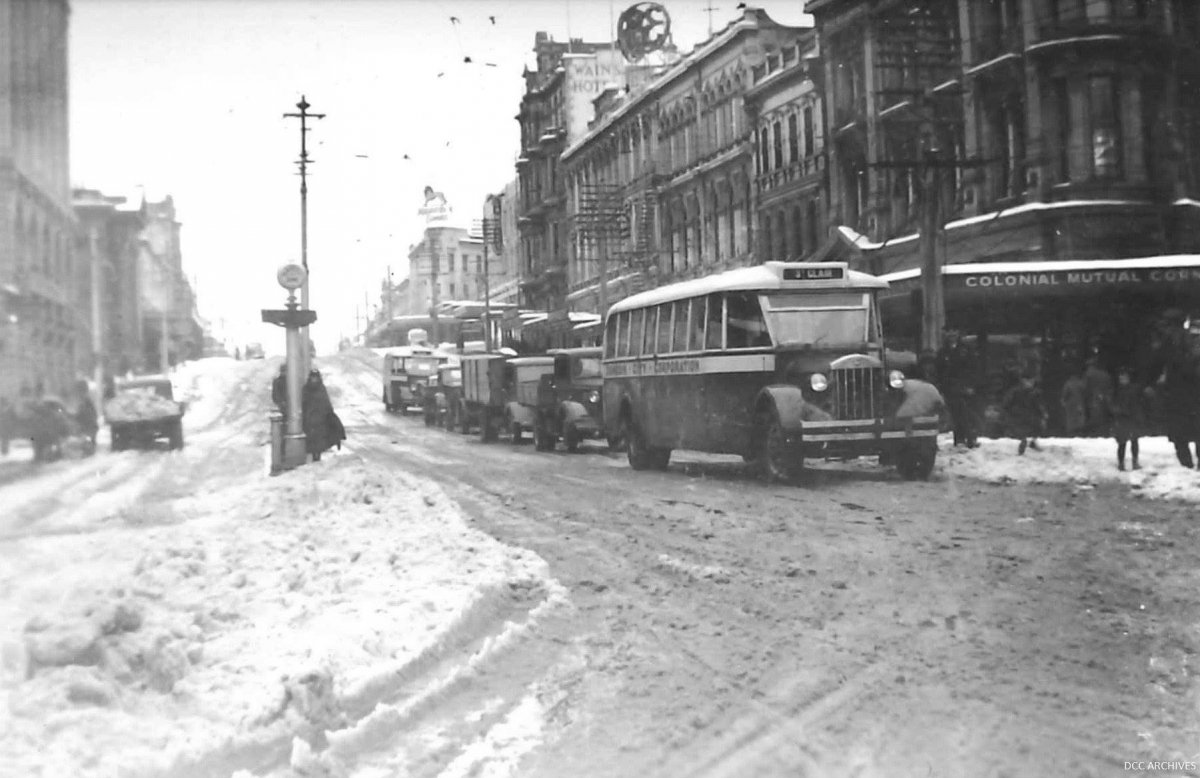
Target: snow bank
206	647
1081	461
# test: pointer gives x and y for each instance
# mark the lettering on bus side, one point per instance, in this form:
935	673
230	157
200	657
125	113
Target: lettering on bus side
679	366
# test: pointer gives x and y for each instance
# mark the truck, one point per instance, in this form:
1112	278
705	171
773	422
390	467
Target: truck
569	401
443	396
142	411
501	392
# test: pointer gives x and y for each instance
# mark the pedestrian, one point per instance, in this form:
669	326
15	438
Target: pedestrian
237	353
322	427
1029	359
279	389
1180	386
1129	414
1073	399
1098	390
1025	413
958	371
86	416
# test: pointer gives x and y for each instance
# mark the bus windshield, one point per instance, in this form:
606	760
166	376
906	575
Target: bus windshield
829	320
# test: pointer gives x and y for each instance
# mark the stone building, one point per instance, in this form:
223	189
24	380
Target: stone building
39	323
170	321
785	117
662	186
1060	143
458	253
555	109
107	251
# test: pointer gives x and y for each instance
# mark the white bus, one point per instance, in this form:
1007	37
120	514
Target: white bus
776	362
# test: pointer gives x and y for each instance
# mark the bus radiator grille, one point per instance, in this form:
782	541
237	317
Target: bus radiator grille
854	392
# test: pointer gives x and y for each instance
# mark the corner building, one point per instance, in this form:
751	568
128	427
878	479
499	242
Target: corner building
1067	134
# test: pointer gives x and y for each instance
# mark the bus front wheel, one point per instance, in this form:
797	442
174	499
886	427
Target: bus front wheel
780	460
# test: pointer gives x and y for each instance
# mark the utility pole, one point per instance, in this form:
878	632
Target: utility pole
97	322
709	9
491	235
304	161
435	247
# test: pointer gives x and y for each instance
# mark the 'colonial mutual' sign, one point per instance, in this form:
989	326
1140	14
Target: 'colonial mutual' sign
1075	278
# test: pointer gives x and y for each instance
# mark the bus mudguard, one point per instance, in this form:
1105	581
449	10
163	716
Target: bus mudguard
791	406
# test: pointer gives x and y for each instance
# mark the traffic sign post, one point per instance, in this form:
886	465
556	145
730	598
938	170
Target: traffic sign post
292	318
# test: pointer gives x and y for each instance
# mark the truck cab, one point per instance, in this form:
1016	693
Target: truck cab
569	400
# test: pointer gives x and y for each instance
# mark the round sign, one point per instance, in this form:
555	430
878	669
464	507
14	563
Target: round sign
291	276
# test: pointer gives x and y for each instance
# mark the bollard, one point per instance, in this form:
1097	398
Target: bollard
276	443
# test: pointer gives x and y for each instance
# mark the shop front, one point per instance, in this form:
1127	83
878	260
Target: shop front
1061	312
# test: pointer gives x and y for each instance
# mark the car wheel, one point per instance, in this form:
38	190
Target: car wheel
571	438
515	427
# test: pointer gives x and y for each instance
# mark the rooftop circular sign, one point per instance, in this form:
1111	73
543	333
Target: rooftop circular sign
291	276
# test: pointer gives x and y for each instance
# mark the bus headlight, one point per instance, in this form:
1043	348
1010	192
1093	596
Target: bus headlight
594	397
818	382
896	379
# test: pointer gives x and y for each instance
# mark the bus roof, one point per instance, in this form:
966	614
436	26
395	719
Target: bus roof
770	276
527	361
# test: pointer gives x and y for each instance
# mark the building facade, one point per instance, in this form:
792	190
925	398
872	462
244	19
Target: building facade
170	321
1059	143
107	249
39	342
662	186
785	115
449	260
555	110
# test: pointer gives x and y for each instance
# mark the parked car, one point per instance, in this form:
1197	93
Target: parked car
45	422
569	401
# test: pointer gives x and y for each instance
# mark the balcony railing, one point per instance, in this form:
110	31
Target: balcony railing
794	171
1120	22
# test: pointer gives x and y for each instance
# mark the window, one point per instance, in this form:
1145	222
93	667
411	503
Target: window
1062	98
635	332
1106	126
763	148
679	341
777	131
614	346
696	326
744	323
715	323
665	327
650	333
809	141
793	139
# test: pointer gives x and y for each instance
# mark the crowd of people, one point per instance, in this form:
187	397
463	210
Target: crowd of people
1123	403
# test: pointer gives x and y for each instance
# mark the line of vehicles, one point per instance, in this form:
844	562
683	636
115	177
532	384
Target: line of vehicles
778	362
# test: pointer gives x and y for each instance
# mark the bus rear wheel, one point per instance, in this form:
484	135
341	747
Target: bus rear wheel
781	461
641	455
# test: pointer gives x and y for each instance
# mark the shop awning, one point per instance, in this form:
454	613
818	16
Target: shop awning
1054	278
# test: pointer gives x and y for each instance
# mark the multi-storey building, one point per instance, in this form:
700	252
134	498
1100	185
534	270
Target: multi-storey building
458	256
555	111
662	186
1062	139
504	244
171	330
38	325
784	109
107	248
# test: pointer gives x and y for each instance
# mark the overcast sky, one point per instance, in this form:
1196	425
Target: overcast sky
185	97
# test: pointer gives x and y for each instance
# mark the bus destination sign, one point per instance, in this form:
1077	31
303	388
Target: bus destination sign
814	273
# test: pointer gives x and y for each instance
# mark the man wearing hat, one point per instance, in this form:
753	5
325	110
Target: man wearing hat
958	374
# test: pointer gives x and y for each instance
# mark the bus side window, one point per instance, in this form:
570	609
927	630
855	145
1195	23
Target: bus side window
664	328
635	332
745	323
715	329
680	342
696	325
648	341
610	337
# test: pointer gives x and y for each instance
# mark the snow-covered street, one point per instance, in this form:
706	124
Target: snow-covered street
419	603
